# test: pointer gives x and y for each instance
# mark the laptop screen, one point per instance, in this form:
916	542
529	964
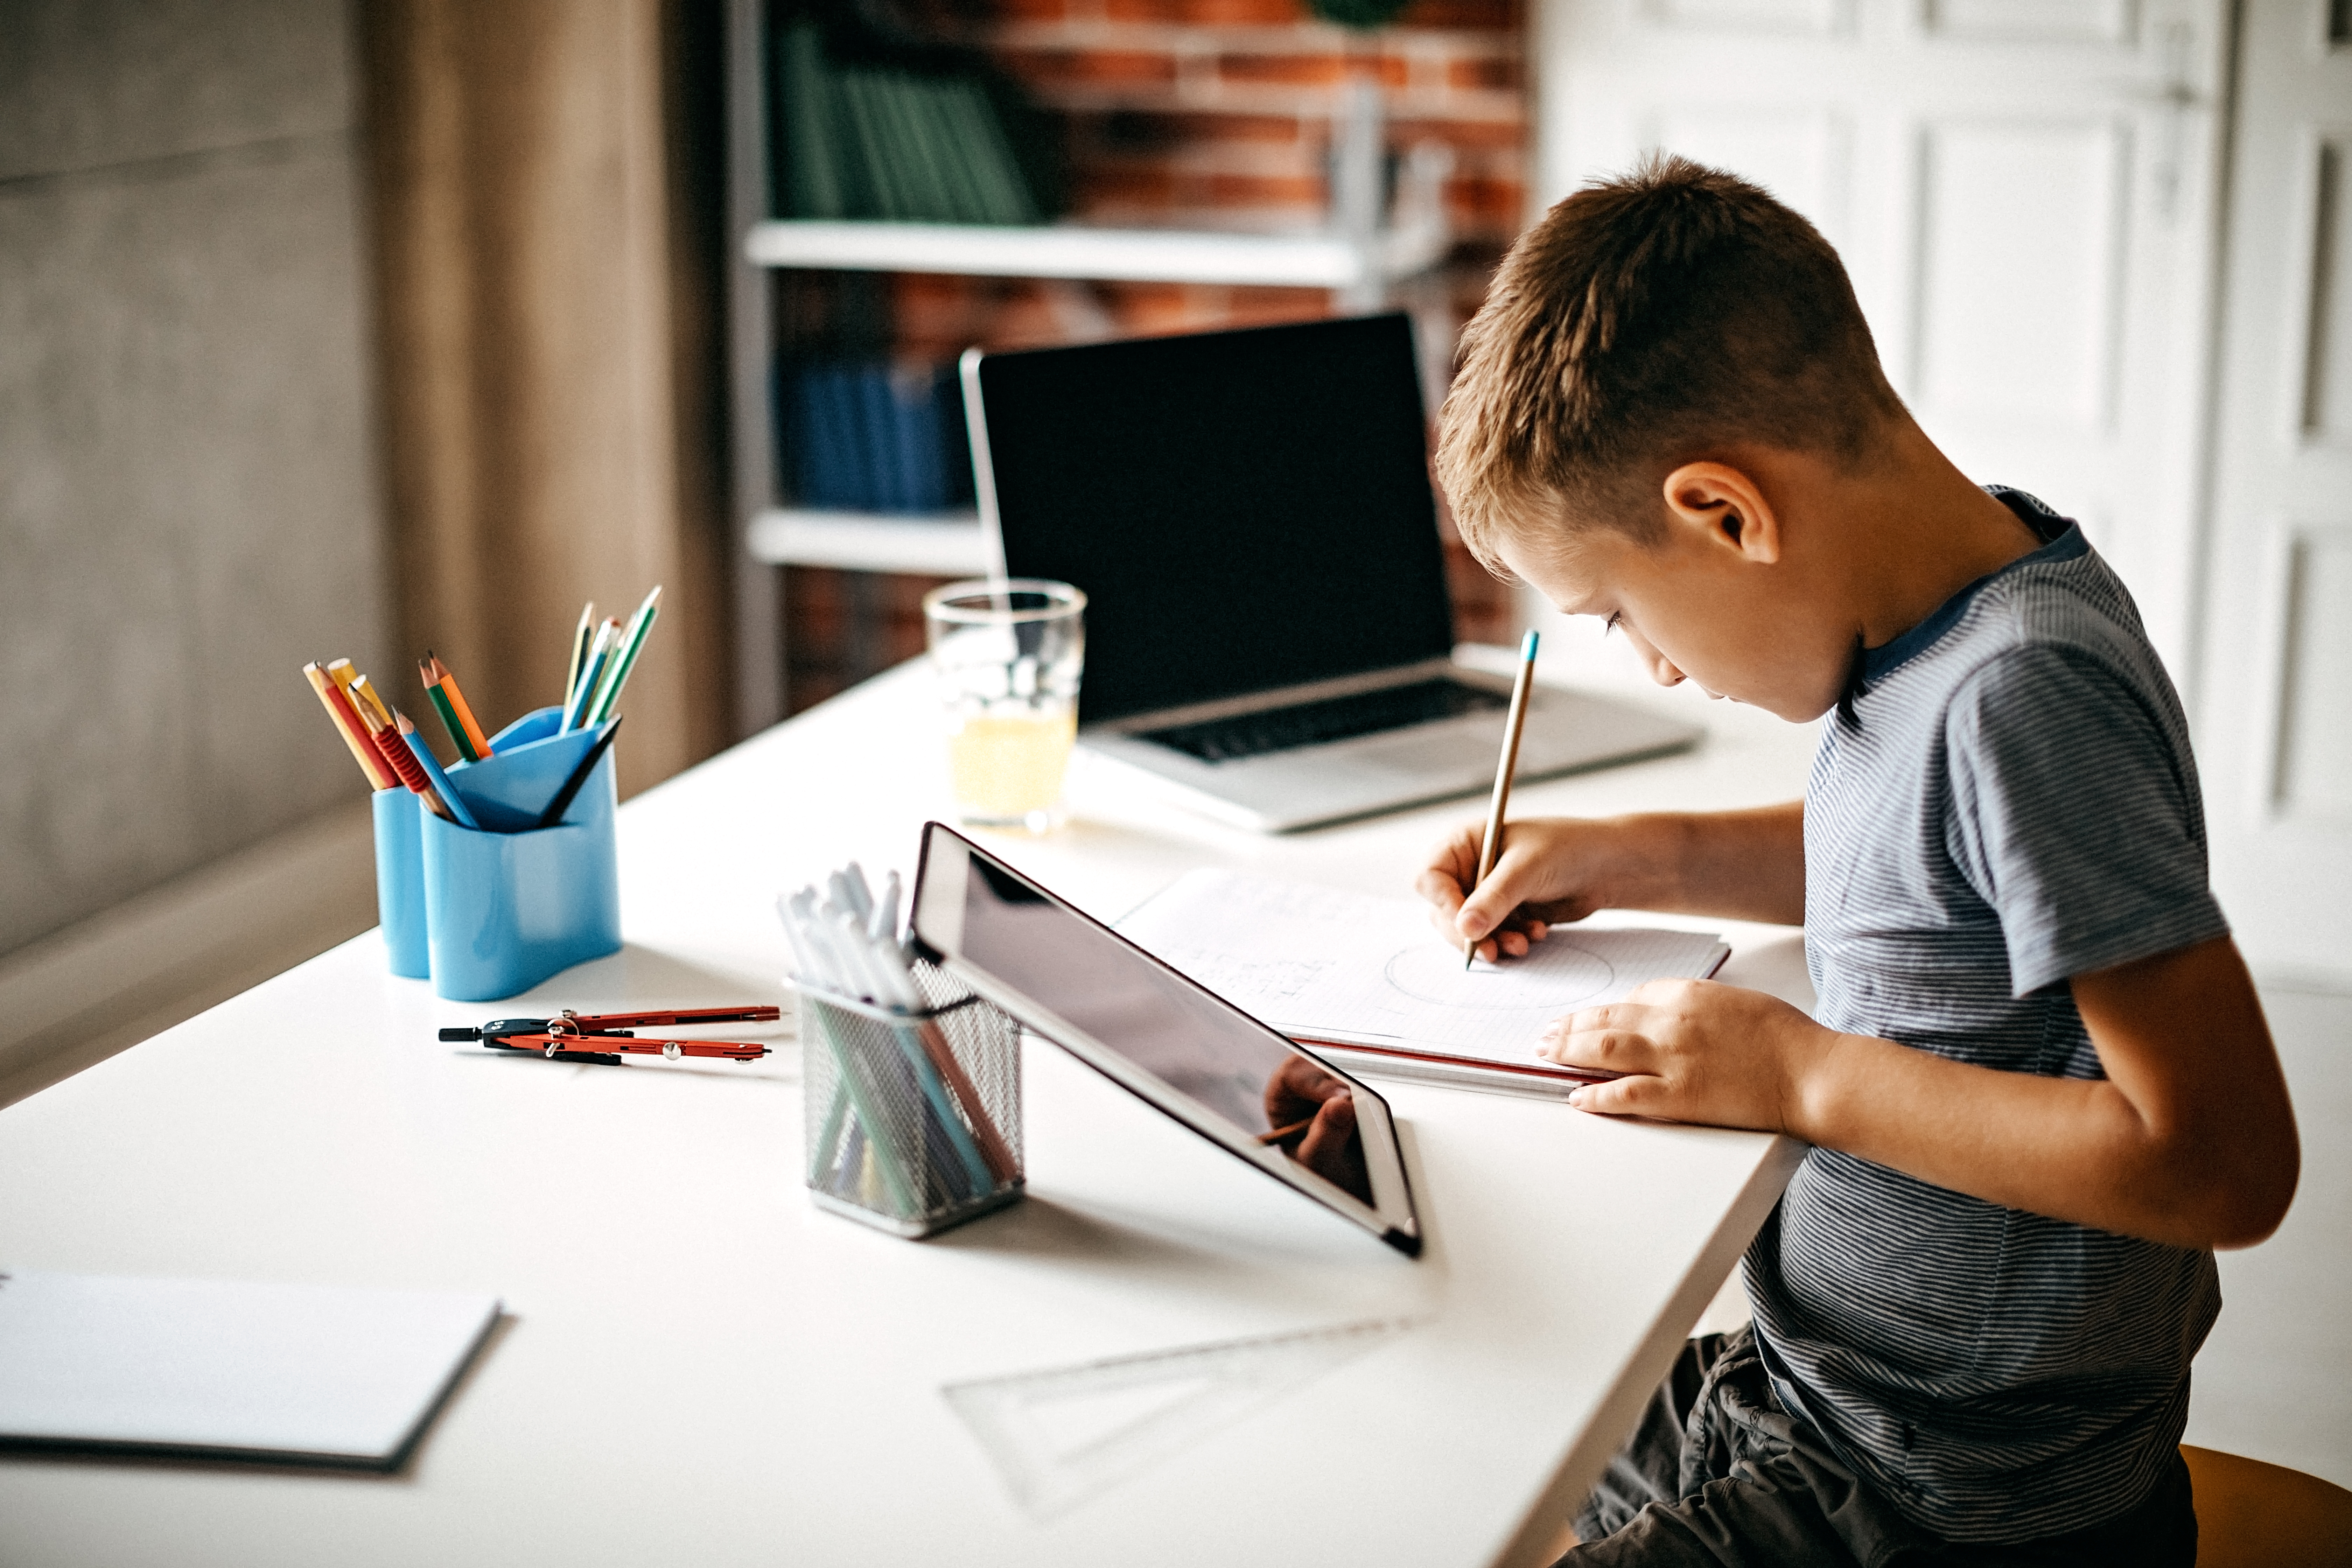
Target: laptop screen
1244	510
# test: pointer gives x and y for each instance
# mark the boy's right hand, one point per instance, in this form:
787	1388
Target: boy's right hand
1551	871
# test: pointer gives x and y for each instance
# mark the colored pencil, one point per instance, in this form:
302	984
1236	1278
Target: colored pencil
459	811
347	679
1504	766
373	712
347	725
580	640
456	714
404	762
440	700
575	713
616	674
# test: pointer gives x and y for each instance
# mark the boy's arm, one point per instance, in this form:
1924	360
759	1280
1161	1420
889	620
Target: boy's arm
2189	1140
1727	864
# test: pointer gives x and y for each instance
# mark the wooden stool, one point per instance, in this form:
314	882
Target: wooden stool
2254	1515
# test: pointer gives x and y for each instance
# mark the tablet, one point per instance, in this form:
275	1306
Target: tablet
1164	1038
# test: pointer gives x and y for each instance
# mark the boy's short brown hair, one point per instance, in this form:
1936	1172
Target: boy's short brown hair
1645	320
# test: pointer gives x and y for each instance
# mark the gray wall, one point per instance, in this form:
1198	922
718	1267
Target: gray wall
188	497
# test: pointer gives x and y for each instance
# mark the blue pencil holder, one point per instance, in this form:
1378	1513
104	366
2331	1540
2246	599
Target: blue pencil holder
506	909
400	881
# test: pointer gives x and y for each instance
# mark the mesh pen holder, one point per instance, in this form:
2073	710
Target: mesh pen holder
912	1120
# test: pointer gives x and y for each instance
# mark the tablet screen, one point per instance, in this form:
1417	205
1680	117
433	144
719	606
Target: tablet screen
1165	1025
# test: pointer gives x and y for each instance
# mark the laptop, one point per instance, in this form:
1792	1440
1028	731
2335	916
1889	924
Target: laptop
1269	638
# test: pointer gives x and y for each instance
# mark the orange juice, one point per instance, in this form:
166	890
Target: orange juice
1006	767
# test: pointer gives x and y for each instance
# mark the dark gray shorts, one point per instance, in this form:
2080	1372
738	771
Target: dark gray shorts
1719	1475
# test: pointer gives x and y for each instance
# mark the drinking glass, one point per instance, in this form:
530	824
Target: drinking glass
1008	656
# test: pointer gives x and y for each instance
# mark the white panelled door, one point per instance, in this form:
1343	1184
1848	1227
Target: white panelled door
2022	190
2028	195
2275	698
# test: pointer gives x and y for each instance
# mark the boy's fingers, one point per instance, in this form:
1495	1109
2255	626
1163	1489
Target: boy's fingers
1618	1097
1518	879
1614	1050
1487	908
1442	891
1594	1020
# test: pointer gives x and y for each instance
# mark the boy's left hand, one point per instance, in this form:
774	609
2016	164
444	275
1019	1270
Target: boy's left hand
1694	1051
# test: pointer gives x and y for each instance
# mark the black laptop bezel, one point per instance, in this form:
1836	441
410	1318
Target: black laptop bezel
1414	612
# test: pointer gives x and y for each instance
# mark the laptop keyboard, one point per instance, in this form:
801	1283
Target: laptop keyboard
1333	718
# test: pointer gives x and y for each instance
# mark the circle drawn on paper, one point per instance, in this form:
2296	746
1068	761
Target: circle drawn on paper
1557	974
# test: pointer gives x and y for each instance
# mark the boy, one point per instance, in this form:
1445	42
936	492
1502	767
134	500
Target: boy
2039	1089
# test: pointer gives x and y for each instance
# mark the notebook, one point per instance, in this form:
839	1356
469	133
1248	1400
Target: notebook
310	1374
1372	984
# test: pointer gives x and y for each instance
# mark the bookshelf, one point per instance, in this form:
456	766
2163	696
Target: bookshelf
943	544
1078	252
1364	266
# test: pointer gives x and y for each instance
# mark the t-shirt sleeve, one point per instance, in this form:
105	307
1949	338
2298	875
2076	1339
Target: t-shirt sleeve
2075	817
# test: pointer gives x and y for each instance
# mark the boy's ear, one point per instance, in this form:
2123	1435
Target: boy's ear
1724	505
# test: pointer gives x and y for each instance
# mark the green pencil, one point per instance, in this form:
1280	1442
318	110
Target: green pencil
449	720
624	659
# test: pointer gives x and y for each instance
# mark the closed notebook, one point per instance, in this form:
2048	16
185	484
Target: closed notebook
313	1374
1370	983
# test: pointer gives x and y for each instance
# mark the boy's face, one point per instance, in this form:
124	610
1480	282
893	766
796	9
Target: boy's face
1705	604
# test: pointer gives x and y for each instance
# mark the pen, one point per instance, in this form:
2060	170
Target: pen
1504	766
578	776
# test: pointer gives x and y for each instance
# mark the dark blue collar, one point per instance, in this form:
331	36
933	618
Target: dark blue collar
2062	541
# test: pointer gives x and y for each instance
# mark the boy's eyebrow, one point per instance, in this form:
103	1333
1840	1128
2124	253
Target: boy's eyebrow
1577	605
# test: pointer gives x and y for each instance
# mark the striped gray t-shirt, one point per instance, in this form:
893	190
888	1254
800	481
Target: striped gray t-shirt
2013	805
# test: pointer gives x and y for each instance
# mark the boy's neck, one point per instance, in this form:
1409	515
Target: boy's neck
1918	531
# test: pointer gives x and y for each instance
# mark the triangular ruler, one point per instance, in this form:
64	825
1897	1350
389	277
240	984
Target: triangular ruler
1061	1435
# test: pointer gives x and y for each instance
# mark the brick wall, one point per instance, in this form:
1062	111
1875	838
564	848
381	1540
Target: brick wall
1209	113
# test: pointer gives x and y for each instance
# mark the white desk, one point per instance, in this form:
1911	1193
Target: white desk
701	1367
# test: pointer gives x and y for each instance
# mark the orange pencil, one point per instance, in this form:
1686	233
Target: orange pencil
347	725
438	679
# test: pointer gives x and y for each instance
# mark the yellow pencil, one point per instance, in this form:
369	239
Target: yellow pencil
363	752
1504	766
375	712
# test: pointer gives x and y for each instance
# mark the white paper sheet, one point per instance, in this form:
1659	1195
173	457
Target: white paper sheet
1318	963
317	1373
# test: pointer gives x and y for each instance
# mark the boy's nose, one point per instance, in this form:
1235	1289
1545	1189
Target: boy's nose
1661	669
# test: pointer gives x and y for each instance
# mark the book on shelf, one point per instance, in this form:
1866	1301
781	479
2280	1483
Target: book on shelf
869	435
866	130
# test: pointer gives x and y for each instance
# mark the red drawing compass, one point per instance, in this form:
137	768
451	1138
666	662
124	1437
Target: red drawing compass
570	1036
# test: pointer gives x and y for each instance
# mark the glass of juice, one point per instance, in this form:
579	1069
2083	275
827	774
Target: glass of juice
1008	655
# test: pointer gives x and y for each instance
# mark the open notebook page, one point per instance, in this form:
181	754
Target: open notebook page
1322	964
